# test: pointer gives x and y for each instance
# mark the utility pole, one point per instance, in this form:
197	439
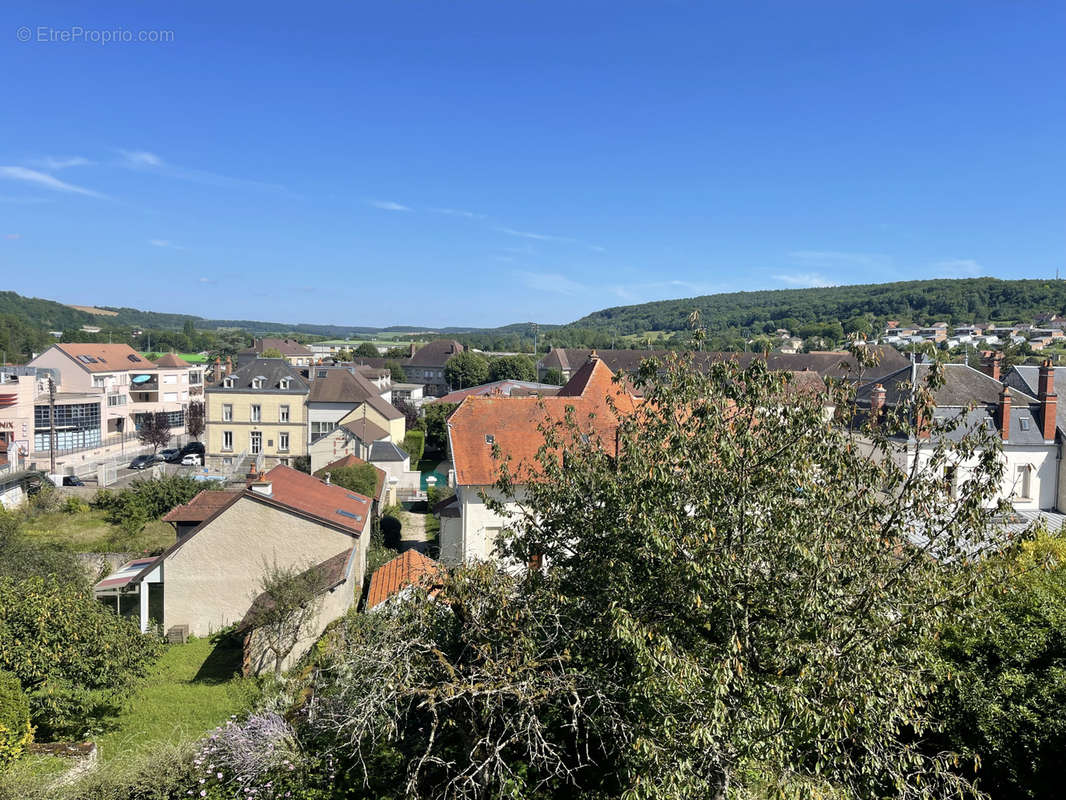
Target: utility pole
534	341
52	424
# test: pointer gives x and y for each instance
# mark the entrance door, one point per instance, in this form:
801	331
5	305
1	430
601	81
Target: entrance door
257	443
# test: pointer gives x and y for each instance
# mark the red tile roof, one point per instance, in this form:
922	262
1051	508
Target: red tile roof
309	495
200	507
410	568
513	423
95	357
512	388
171	360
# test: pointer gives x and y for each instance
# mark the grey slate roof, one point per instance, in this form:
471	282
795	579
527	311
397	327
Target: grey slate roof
272	370
828	364
1027	379
962	385
386	451
434	354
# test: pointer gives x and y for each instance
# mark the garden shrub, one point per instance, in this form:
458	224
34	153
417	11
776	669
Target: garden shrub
74	657
414	444
133	508
74	505
15	729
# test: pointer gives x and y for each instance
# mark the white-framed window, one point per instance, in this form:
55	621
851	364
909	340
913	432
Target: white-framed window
227	412
322	428
1023	485
283	442
283	414
258	382
255	444
227	440
228	382
170	397
257	413
284	384
170	379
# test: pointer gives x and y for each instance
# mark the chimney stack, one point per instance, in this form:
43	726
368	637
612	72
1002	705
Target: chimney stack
265	488
1004	413
218	369
229	365
1049	400
327	479
990	364
877	402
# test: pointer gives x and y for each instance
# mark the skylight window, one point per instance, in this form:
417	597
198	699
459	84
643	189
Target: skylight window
357	498
349	514
490	439
132	357
1025	423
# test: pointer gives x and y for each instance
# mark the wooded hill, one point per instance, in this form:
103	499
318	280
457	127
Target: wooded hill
955	301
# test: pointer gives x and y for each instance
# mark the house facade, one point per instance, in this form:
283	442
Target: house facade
260	408
339	395
426	366
208	579
125	388
296	354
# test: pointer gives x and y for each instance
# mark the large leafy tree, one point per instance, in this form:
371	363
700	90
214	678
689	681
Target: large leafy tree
367	350
194	419
1004	676
155	430
740	598
517	368
466	369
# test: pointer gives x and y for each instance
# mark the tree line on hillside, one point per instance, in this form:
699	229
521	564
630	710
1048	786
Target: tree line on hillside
955	301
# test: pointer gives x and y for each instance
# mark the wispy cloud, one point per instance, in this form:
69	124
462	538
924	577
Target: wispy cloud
806	279
552	282
957	268
208	280
12	236
54	163
456	212
540	237
388	205
165	243
147	161
45	181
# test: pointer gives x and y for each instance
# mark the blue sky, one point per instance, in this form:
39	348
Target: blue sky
480	163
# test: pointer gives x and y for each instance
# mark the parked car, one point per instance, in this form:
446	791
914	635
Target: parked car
193	448
171	455
145	461
192	460
72	480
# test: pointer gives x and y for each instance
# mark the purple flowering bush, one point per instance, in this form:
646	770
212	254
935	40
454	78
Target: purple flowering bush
258	757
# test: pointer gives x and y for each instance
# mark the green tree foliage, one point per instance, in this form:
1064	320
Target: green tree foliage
361	479
739	603
15	730
517	368
1004	684
290	601
552	376
436	419
22	557
147	499
366	350
466	369
414	444
396	370
271	352
73	656
411	415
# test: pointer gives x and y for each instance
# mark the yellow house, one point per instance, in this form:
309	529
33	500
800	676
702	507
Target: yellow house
339	396
259	408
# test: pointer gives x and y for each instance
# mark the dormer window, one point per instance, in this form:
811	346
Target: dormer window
228	383
285	383
258	382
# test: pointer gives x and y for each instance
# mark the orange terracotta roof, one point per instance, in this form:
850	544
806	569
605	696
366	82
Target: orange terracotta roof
352	461
309	495
410	568
200	507
104	357
512	424
171	360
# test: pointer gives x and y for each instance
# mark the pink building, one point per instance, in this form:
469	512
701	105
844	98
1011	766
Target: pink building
127	387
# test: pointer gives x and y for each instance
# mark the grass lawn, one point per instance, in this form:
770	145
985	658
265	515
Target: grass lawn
90	532
194	688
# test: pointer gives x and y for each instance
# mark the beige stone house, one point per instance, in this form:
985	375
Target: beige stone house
208	579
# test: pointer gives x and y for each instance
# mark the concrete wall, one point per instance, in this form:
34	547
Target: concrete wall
209	582
333	446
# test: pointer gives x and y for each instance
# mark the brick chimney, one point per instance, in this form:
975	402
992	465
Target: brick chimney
229	365
877	402
990	363
1049	400
922	424
1004	414
218	369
